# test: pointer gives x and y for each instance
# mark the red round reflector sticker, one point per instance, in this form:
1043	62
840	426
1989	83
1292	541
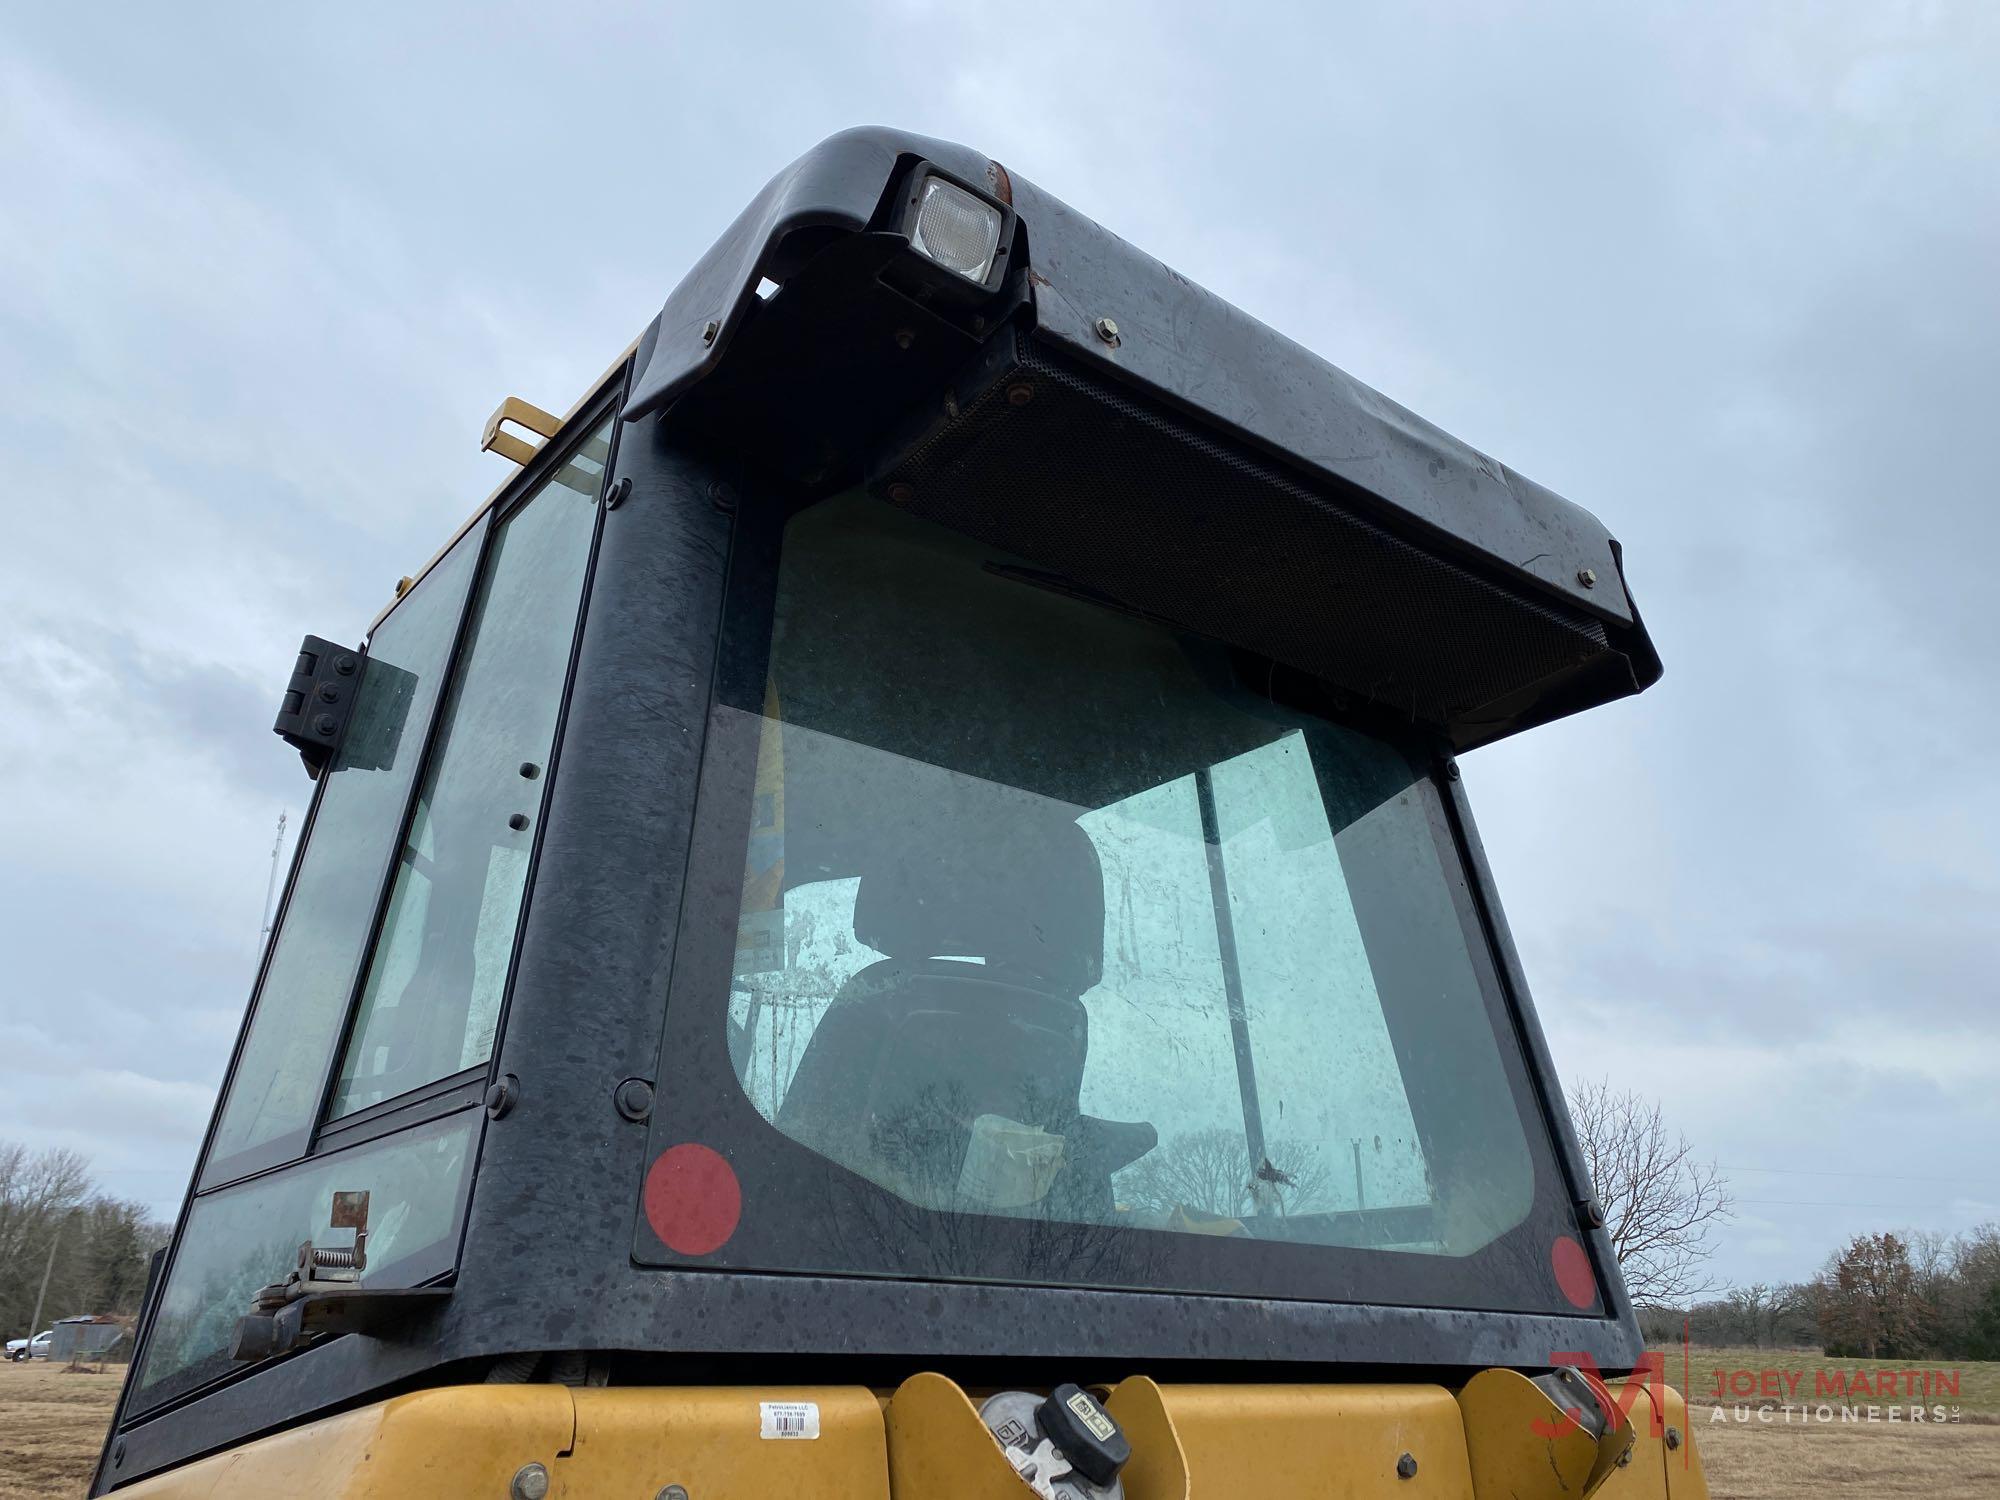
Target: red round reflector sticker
693	1200
1571	1263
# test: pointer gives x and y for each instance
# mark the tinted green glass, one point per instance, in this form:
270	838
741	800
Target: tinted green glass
300	1009
248	1236
1045	915
434	985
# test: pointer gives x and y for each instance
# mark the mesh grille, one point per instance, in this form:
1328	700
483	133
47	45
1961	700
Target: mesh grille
1084	480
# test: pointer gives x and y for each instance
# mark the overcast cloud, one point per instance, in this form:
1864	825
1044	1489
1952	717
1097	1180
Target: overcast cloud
1726	277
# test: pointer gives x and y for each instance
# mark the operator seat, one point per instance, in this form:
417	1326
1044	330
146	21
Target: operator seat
993	930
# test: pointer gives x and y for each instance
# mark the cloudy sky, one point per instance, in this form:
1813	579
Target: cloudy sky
1728	278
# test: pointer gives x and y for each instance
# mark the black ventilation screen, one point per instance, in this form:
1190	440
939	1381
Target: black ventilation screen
1072	473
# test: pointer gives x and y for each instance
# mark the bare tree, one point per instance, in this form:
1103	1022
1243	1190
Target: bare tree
65	1248
1210	1170
1661	1203
1766	1315
36	1187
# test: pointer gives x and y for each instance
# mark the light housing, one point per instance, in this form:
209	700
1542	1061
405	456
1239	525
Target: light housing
955	229
961	235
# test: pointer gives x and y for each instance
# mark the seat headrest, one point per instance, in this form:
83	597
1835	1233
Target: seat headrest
1023	890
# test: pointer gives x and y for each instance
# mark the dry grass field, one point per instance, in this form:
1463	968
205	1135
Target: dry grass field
51	1423
1766	1458
1804	1463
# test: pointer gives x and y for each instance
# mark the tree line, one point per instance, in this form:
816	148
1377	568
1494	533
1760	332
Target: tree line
1882	1296
65	1244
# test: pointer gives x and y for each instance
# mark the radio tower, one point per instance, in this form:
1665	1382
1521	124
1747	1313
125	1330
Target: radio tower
271	884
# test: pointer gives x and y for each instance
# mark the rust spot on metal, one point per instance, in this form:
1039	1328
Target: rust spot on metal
1003	185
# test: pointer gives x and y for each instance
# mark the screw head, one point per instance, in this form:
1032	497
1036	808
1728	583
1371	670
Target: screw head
325	725
1406	1466
529	770
634	1099
345	665
501	1095
1673	1437
672	1492
531	1482
518	822
1107	330
904	338
1587	577
1451	770
1020	394
901	493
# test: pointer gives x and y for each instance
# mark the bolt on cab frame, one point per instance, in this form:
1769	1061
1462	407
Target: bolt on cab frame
919	834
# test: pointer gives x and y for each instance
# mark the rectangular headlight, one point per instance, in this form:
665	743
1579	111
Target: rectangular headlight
955	229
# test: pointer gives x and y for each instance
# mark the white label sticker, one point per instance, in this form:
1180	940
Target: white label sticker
788	1419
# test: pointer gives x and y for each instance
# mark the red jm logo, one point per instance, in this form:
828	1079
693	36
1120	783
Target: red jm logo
1651	1371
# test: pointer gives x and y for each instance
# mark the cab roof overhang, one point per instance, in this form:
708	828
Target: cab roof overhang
1195	466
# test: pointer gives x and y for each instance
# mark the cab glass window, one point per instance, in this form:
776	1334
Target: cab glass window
298	1013
248	1236
432	997
405	1017
1111	966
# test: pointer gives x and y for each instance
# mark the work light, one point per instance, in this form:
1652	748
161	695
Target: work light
955	229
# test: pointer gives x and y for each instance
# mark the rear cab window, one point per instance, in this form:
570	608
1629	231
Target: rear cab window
1063	950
